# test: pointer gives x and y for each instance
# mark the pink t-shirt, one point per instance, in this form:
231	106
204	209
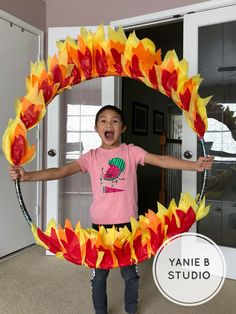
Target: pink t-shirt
114	182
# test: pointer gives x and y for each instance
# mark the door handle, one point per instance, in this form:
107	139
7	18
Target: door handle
52	152
188	154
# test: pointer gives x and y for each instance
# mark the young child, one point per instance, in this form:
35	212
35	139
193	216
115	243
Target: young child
112	168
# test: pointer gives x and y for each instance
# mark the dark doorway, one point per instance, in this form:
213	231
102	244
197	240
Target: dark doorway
167	37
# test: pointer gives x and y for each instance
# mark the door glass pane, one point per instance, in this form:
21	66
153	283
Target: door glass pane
174	148
77	136
217	65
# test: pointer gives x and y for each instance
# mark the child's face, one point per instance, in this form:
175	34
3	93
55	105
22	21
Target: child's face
109	127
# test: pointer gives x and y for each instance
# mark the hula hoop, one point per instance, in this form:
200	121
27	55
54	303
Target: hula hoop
95	56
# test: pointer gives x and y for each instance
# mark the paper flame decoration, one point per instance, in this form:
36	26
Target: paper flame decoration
92	56
109	248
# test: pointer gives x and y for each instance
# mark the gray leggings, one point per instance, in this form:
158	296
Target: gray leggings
99	284
99	294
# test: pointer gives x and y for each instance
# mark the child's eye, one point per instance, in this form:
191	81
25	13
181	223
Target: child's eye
116	121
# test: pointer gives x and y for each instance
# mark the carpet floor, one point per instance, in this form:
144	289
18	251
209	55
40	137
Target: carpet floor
33	283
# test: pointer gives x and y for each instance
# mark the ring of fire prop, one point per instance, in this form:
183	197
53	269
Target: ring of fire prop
93	55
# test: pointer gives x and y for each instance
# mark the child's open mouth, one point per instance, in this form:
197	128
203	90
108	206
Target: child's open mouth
109	135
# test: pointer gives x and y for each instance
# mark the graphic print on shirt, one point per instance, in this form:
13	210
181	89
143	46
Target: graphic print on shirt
112	176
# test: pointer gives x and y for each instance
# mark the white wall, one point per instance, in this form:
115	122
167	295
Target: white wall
32	12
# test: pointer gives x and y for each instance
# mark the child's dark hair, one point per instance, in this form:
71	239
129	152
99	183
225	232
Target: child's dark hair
110	107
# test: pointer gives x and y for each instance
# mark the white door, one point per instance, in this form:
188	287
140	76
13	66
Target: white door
71	132
204	55
18	48
210	48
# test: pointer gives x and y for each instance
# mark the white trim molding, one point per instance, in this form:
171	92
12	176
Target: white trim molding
171	14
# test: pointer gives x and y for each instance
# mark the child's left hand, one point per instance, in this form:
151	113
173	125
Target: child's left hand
204	163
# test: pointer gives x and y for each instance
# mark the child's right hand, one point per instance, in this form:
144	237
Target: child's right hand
17	173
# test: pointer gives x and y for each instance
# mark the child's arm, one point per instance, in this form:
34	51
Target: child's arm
170	162
44	175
